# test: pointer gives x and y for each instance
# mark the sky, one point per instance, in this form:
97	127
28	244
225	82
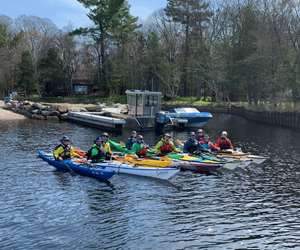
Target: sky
67	12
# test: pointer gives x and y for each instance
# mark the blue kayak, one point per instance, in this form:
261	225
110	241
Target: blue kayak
98	171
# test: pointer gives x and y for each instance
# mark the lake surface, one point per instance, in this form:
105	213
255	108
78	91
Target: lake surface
253	208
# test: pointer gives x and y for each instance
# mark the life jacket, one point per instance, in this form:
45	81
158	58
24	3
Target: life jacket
142	152
200	139
130	142
66	154
190	146
166	148
99	156
224	143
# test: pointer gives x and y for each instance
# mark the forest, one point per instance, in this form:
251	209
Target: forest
237	50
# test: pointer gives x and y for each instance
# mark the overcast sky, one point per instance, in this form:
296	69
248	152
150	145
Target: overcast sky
65	12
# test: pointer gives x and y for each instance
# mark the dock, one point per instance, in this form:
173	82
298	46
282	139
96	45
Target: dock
97	120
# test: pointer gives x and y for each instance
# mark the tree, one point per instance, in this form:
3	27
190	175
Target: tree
192	15
51	74
108	17
25	77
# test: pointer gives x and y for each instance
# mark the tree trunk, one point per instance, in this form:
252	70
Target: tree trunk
185	62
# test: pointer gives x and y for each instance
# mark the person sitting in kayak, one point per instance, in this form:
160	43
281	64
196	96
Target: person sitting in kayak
223	142
191	145
139	147
165	146
208	146
106	146
64	151
131	140
200	135
96	153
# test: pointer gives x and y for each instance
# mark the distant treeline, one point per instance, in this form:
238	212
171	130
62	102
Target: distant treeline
239	50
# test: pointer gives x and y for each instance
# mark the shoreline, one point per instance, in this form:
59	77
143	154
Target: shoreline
7	115
285	119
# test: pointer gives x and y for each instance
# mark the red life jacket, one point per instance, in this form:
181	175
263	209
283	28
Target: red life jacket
166	148
142	152
224	143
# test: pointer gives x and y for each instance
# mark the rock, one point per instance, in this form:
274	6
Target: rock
54	113
35	111
38	117
38	106
46	113
62	109
93	108
52	118
101	105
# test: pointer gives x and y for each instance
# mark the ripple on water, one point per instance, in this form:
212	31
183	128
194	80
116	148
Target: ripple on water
252	208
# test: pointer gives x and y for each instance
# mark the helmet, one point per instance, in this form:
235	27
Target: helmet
224	133
200	130
65	138
140	137
104	134
192	133
167	135
133	132
98	139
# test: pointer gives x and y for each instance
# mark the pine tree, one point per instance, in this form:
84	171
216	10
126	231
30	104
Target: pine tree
192	15
52	76
25	77
111	20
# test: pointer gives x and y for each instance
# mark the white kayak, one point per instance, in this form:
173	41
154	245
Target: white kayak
164	173
241	160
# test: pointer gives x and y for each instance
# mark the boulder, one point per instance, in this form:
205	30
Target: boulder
38	117
38	106
35	111
62	109
93	108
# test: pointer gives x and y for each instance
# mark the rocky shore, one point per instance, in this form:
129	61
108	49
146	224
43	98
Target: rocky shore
45	111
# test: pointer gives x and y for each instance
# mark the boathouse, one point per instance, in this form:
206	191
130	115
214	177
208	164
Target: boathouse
143	103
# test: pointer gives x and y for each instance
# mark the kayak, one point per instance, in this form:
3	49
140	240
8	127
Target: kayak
157	162
165	173
184	161
244	157
99	172
196	163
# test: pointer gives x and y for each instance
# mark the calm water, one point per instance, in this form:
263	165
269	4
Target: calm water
253	208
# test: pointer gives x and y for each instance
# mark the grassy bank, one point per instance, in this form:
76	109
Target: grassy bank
179	101
84	99
285	106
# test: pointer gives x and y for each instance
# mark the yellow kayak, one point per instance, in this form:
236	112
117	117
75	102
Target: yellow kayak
146	162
